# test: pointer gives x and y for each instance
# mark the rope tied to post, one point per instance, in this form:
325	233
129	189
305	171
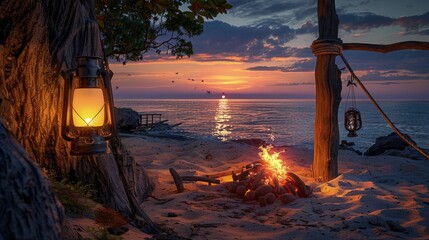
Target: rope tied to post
327	46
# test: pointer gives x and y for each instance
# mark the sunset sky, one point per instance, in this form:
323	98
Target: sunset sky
260	49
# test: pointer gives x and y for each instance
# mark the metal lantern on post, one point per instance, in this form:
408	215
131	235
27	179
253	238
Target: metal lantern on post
88	115
352	121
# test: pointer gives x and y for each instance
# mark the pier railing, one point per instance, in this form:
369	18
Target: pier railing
149	119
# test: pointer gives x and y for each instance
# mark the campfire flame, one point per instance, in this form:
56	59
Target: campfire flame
273	163
267	180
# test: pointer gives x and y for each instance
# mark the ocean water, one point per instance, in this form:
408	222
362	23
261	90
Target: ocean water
281	121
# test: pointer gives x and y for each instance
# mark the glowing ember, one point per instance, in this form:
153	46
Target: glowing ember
273	163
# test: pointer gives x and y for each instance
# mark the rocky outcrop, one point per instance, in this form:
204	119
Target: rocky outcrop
126	119
393	145
392	141
344	145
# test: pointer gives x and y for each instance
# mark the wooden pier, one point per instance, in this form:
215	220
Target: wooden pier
149	119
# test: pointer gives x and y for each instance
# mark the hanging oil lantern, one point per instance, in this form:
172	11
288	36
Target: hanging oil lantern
352	121
88	115
352	118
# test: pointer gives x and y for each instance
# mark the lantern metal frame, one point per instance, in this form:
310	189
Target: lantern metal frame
352	121
88	140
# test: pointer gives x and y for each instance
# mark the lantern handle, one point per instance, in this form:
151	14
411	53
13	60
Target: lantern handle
67	76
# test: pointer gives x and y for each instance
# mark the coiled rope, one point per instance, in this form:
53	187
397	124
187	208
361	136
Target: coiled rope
327	46
334	47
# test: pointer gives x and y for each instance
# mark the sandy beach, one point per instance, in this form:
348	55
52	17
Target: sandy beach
379	197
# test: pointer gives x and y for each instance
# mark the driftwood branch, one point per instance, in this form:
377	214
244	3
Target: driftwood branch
178	180
388	47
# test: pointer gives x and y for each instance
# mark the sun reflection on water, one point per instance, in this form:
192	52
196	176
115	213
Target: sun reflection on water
222	117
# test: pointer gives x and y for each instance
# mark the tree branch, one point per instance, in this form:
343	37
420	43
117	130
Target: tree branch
387	48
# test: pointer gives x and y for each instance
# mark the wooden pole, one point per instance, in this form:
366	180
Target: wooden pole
328	97
388	47
328	87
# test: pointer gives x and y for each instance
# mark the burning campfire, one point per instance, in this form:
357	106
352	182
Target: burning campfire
267	180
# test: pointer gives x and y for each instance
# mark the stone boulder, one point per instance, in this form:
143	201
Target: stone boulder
344	145
127	119
389	145
408	152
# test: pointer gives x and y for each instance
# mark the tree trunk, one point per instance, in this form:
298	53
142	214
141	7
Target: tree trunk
38	40
28	206
328	97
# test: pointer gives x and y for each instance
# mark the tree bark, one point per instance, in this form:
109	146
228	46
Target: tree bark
28	206
39	39
328	97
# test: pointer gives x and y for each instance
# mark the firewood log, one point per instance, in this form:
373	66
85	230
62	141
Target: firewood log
241	190
302	190
249	195
270	198
262	190
287	198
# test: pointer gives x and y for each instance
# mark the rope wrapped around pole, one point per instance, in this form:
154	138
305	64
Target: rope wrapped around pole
327	46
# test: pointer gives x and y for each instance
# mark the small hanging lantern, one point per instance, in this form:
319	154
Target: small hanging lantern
352	121
88	115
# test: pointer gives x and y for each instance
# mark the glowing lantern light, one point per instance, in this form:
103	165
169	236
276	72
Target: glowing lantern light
88	106
88	116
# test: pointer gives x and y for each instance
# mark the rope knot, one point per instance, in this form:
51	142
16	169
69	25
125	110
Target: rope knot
327	46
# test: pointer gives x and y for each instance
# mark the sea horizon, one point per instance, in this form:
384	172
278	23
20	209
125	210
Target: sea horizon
282	121
289	99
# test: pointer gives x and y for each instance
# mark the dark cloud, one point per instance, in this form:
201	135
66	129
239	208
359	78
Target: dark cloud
413	22
292	84
414	61
251	43
261	8
363	21
424	32
308	11
391	83
267	36
395	66
398	76
265	68
308	27
302	65
366	21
